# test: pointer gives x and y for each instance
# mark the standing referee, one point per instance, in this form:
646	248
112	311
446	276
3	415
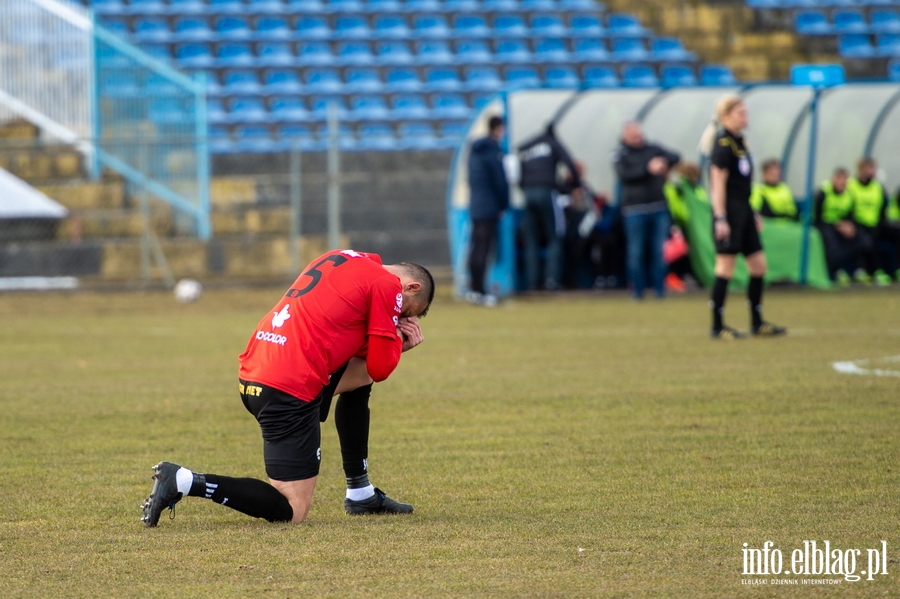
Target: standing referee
735	225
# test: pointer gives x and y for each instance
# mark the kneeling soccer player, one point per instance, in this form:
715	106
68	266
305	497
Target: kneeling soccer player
339	328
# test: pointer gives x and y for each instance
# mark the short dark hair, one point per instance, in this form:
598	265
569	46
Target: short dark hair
494	123
770	163
841	170
865	161
421	276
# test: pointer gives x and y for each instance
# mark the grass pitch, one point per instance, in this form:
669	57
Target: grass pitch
554	447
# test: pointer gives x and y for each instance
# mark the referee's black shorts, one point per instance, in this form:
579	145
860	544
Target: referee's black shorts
290	427
744	238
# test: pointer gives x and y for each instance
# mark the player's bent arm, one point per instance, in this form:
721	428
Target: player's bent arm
383	356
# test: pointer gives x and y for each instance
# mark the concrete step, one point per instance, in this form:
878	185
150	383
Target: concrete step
100	224
18	129
44	164
87	195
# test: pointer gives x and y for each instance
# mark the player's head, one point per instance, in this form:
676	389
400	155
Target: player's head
771	170
839	179
418	288
866	168
633	134
496	127
732	113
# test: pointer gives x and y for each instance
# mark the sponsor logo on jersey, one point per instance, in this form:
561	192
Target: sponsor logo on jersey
399	307
279	317
271	337
352	254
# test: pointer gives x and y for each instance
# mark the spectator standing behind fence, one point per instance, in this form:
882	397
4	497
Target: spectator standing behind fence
773	198
539	159
833	216
874	217
488	198
642	169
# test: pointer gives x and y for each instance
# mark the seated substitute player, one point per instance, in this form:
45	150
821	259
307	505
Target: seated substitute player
833	216
339	328
735	225
773	198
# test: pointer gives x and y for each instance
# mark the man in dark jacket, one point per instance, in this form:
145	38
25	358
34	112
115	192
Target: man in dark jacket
488	198
539	158
642	170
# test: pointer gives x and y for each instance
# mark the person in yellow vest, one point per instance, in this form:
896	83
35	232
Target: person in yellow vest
773	198
677	247
833	216
878	237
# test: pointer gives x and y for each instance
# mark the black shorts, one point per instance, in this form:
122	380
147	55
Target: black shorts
290	427
744	237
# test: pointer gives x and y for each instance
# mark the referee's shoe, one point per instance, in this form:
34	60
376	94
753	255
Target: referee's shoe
164	495
727	333
767	329
379	503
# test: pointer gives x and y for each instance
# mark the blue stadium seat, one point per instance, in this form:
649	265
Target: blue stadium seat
471	26
146	7
194	55
586	26
158	51
422	6
168	111
888	44
240	82
253	138
886	21
443	79
297	136
348	6
151	29
272	28
384	6
449	106
395	53
473	52
186	7
193	29
582	5
265	7
639	75
452	134
319	107
479	101
677	75
561	77
274	54
894	70
117	27
495	5
375	136
547	25
346	139
355	53
551	50
109	7
431	26
287	109
119	85
434	52
418	136
670	48
215	111
409	107
316	53
459	6
510	26
601	77
513	51
391	26
369	108
590	50
716	74
811	23
282	81
850	21
355	27
539	5
483	79
225	6
626	24
234	55
247	110
855	45
323	80
304	6
629	48
403	79
362	79
312	27
522	77
219	140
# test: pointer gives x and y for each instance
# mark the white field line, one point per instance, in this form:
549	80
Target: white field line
864	367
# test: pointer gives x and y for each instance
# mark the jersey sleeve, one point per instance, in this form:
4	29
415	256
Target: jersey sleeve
383	357
721	154
385	305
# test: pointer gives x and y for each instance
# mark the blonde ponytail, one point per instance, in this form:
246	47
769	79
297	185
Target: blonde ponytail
724	105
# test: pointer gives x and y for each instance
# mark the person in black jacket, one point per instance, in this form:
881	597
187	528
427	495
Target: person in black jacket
488	198
539	158
642	170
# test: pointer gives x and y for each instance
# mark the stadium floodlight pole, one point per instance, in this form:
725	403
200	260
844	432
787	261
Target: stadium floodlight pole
296	209
334	183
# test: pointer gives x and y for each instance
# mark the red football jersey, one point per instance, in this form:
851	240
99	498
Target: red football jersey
322	321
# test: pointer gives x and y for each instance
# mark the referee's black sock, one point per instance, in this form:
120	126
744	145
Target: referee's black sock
754	294
246	495
719	292
351	418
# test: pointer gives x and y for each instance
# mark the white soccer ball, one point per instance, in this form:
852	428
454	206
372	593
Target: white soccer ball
188	290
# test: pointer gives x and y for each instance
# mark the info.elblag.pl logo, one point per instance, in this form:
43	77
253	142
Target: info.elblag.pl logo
813	559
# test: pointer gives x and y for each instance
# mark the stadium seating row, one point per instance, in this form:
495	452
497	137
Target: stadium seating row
156	29
183	7
814	22
793	4
858	45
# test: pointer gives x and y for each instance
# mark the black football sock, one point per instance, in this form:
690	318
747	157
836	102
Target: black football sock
719	292
351	418
247	495
754	294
